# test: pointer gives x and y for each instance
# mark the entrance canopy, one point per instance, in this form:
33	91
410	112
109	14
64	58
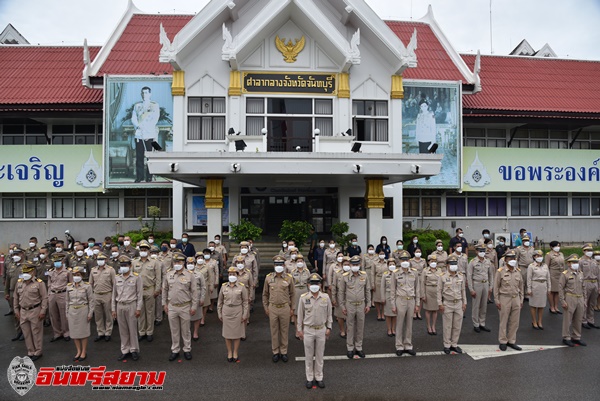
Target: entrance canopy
290	169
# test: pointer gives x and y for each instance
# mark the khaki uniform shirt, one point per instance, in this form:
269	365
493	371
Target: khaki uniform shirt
150	271
508	282
79	295
201	283
463	261
102	279
492	256
128	289
58	279
84	261
300	278
451	288
278	290
32	254
355	288
12	273
129	251
555	261
480	271
214	267
571	283
404	284
249	263
441	256
419	265
429	278
330	256
166	259
524	256
180	287
30	293
314	311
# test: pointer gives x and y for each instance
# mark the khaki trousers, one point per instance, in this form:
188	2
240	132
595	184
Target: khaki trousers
158	309
452	322
148	314
33	330
524	275
572	318
355	322
17	323
279	319
509	318
128	327
58	314
102	314
314	348
479	306
405	308
179	322
592	298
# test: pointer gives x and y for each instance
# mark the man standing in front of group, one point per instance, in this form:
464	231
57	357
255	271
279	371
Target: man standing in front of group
58	278
508	295
30	305
480	279
355	300
452	300
278	296
525	254
314	328
589	268
127	303
570	294
150	272
102	280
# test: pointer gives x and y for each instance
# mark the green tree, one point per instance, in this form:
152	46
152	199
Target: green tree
245	230
297	231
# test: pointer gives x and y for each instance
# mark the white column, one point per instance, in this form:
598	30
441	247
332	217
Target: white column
178	209
214	219
374	225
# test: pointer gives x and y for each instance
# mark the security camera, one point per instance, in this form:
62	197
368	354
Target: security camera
236	167
174	167
67	232
356	168
298	148
414	168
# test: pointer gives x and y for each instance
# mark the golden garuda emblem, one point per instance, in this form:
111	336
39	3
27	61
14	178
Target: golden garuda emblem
290	50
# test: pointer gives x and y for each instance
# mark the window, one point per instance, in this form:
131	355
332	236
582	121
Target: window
455	206
13	208
595	206
581	206
78	134
370	120
520	207
24	134
539	206
388	209
431	206
206	118
410	207
108	207
496	206
85	207
62	208
138	201
558	206
357	208
476	206
29	206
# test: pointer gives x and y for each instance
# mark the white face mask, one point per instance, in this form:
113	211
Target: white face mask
101	262
144	254
172	246
10	252
500	243
371	251
217	241
381	257
331	246
16	258
384	242
300	264
589	254
240	266
77	279
58	249
278	269
392	267
79	253
293	256
486	236
206	257
244	251
115	254
400	247
440	248
526	243
42	256
461	235
459	249
453	268
153	256
232	279
417	254
178	267
405	265
512	263
200	261
184	240
490	245
556	249
32	244
481	254
124	269
292	248
354	243
150	240
284	245
211	248
346	268
96	251
190	267
539	259
26	276
126	243
575	266
597	257
314	288
415	241
321	245
340	259
355	269
433	265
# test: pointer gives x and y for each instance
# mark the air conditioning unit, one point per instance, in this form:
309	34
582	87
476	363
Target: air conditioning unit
407	225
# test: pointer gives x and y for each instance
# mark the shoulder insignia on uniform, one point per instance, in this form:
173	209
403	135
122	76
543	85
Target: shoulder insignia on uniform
242	284
306	294
51	270
270	274
39	280
413	269
565	272
362	272
500	269
223	284
289	275
70	269
518	269
135	274
69	284
346	274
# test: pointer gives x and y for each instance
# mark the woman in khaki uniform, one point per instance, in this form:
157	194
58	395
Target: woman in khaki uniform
232	308
420	264
440	255
555	260
336	276
207	273
300	275
390	316
379	295
80	308
538	288
369	261
203	289
336	265
429	284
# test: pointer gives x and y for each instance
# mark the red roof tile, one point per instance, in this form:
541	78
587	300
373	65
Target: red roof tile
44	75
433	62
518	83
138	48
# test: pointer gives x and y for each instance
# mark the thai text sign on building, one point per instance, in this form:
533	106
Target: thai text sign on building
531	170
317	84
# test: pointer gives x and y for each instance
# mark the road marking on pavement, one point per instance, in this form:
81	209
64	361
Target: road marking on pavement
475	351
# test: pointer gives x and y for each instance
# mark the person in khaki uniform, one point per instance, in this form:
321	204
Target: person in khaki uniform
278	298
314	328
330	256
58	278
452	301
300	275
126	307
180	299
30	304
390	317
570	293
379	268
214	262
355	300
369	260
249	261
597	260
203	293
420	264
79	258
102	279
80	307
428	280
538	289
33	251
150	272
233	311
524	255
556	264
158	309
480	279
405	291
508	295
203	270
589	268
335	276
12	271
290	264
461	257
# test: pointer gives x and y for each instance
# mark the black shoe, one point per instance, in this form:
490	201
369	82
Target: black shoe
477	329
56	339
149	338
76	358
559	312
243	338
173	356
321	384
187	355
16	338
579	342
36	357
585	326
67	338
446	351
209	311
135	356
284	357
9	313
514	346
157	322
98	338
309	384
46	323
490	302
350	354
140	338
21	337
399	352
137	180
593	325
485	329
568	343
82	358
275	358
229	359
195	338
107	338
411	352
360	353
123	357
457	349
502	347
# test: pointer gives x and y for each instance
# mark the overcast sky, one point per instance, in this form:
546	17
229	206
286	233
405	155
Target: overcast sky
570	27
